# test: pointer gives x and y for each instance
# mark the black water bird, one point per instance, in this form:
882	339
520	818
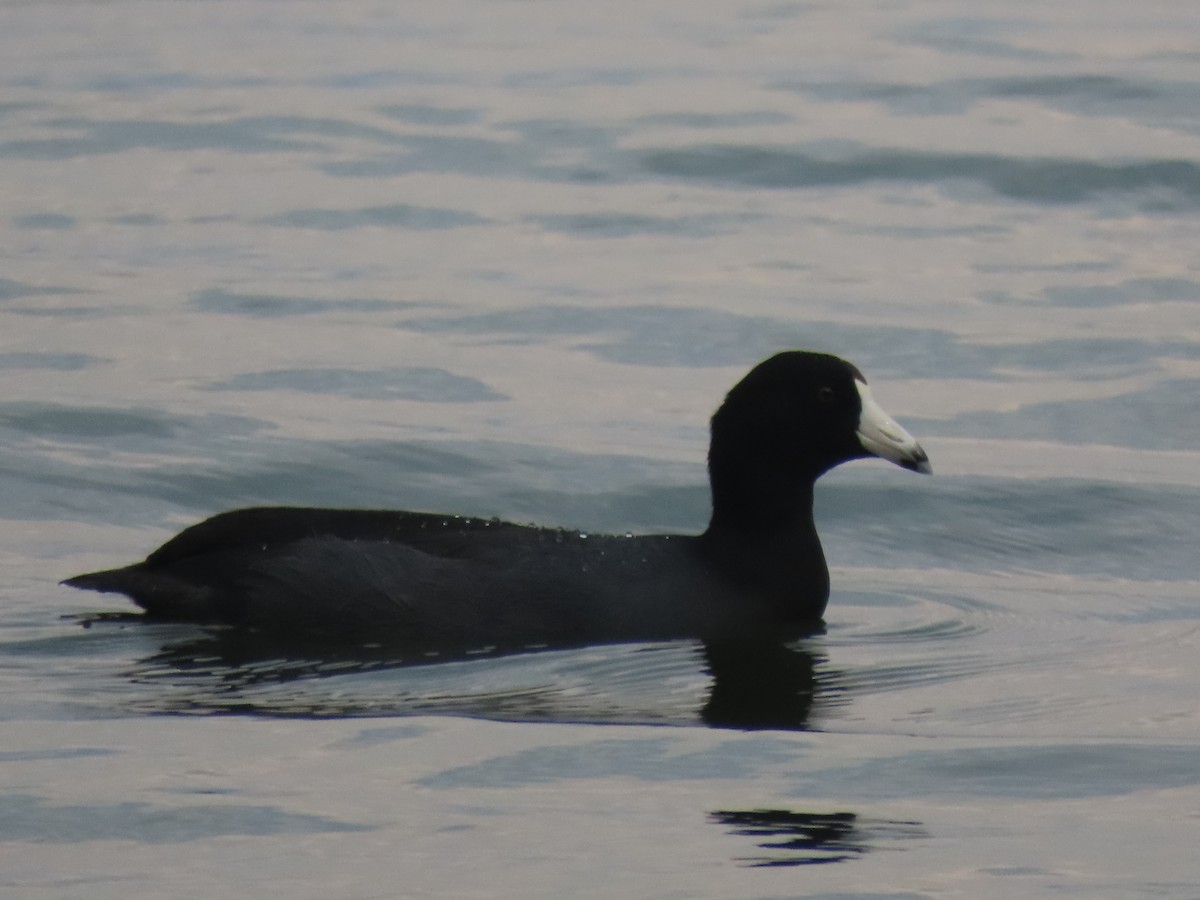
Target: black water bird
440	580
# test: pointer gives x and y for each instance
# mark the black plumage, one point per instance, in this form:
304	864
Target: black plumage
449	580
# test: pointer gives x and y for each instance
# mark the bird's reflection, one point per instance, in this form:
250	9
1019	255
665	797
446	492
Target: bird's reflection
769	681
760	683
807	838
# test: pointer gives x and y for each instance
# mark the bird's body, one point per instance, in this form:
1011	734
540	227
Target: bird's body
448	580
452	580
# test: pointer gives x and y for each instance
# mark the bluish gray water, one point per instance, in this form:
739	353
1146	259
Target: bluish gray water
504	259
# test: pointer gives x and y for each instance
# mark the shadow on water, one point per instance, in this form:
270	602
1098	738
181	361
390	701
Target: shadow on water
748	683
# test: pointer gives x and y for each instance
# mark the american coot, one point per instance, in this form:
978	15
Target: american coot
451	581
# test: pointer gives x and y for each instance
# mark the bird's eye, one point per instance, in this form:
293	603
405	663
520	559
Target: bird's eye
825	395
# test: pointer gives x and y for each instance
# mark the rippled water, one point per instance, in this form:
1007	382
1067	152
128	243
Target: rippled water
504	259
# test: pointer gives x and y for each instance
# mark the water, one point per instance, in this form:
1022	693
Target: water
503	259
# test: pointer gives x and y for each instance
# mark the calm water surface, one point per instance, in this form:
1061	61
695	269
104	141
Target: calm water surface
503	259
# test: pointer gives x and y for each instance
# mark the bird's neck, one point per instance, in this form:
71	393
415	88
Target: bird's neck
768	544
761	507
